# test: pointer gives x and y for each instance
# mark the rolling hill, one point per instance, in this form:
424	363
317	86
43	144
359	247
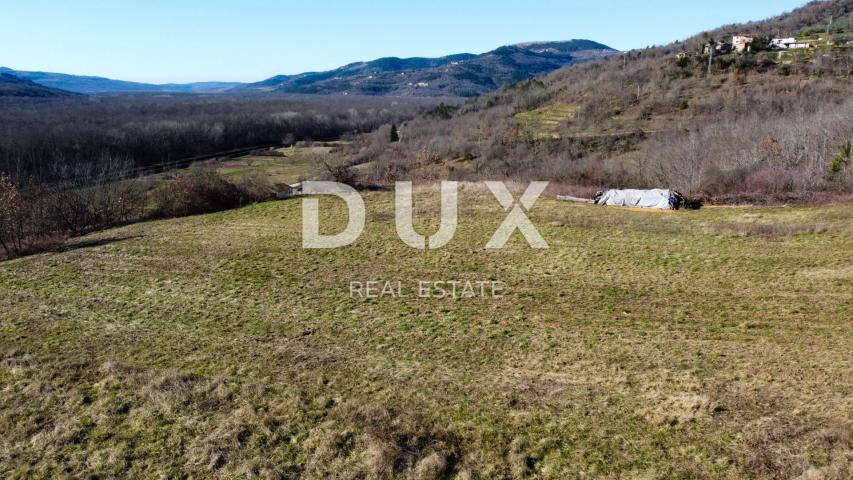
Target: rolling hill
12	86
461	75
99	85
757	124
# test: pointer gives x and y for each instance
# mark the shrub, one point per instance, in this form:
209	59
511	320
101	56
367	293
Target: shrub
443	111
840	161
338	171
193	192
254	188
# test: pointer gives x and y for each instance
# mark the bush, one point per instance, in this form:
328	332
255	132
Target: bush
254	188
443	111
194	192
338	171
840	161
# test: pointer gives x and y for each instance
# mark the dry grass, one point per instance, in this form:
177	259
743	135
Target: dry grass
638	346
284	166
768	230
546	121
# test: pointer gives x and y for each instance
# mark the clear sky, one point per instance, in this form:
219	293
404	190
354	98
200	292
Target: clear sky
181	41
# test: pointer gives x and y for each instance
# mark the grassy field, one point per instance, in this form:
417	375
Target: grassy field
545	121
288	165
709	344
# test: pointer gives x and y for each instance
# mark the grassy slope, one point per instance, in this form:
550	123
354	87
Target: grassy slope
693	344
546	120
297	164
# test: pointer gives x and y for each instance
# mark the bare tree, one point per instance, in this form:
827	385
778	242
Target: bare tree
13	214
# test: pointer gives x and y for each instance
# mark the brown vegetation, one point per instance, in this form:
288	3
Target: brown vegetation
73	166
43	216
13	210
153	132
756	126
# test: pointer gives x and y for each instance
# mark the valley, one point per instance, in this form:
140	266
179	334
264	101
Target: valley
550	260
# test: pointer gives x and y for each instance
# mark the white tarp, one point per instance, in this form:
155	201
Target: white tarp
657	198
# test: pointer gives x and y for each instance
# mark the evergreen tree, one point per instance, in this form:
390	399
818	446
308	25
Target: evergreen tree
395	136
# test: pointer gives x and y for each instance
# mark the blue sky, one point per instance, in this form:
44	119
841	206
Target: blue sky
180	40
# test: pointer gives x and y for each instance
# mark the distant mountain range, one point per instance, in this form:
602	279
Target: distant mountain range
95	85
12	86
461	75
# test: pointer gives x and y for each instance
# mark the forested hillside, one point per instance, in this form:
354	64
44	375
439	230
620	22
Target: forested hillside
12	86
461	75
757	123
86	84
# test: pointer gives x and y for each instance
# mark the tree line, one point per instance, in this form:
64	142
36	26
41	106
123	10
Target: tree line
72	166
39	138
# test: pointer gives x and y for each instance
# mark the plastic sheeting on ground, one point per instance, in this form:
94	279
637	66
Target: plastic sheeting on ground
657	198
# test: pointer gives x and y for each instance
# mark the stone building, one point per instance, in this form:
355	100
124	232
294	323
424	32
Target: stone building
742	43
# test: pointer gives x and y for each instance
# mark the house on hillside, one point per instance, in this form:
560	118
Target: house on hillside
787	43
742	43
718	48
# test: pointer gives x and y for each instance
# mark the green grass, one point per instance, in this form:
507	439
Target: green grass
709	344
546	121
274	169
298	164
